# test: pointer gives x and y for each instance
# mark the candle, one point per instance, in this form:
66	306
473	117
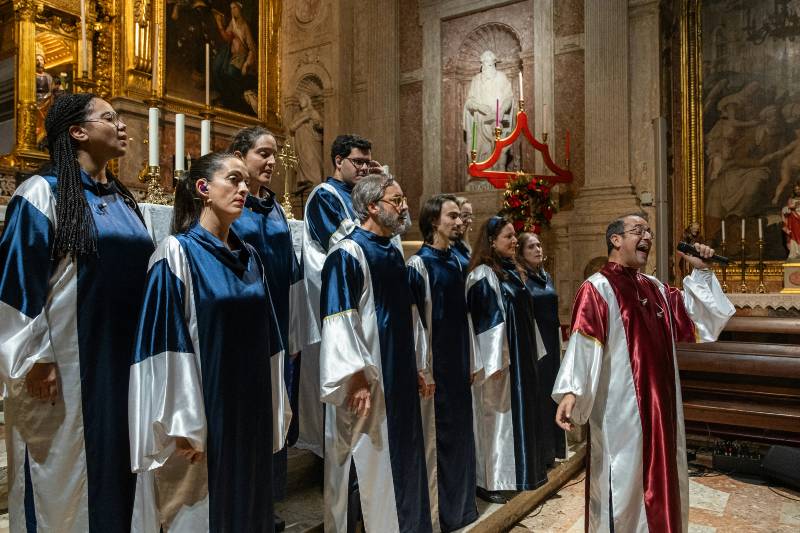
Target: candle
521	97
760	230
208	75
179	140
544	118
474	130
205	137
152	135
566	146
154	78
723	231
84	46
742	229
497	115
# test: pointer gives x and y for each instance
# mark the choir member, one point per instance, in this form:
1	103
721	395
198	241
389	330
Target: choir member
328	218
460	242
264	226
200	394
620	375
508	401
437	287
545	306
368	372
73	260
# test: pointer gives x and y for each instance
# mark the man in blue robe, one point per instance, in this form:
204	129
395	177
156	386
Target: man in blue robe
437	285
328	217
369	377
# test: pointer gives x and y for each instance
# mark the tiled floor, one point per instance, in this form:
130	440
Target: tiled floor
718	504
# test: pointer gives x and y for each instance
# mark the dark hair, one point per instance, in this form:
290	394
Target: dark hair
617	227
430	212
484	254
246	138
188	205
343	144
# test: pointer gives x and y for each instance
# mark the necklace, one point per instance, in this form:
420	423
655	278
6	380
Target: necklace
643	301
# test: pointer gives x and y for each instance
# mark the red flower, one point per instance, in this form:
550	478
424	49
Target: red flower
532	186
537	229
548	212
514	202
519	225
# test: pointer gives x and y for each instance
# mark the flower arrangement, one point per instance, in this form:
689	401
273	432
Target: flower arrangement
528	204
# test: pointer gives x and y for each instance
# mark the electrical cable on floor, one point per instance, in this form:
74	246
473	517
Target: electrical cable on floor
784	495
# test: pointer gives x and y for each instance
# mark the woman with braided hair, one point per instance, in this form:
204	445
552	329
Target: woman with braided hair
73	259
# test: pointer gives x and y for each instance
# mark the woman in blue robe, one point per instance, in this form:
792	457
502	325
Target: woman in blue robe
73	259
545	305
264	226
200	396
460	241
437	287
508	400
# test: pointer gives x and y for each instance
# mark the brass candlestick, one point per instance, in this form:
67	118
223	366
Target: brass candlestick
521	105
497	132
155	194
761	288
724	268
544	137
84	83
743	286
289	161
473	154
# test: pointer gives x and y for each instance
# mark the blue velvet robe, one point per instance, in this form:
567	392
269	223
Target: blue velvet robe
463	253
437	287
508	400
80	314
201	371
545	306
368	326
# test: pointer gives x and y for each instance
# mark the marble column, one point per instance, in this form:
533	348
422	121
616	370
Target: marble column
431	103
543	74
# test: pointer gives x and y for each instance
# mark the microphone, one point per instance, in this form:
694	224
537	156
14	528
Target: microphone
688	249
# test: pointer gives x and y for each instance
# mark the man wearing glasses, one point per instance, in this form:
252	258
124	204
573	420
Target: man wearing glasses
328	218
620	375
369	373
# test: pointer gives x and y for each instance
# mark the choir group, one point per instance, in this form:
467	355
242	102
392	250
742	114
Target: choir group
157	389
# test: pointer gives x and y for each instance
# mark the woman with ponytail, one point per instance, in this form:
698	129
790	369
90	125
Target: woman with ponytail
200	396
73	259
508	401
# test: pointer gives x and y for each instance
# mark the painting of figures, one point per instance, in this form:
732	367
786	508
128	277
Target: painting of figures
231	30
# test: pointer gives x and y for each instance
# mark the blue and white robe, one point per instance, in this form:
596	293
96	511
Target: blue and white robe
507	398
201	371
68	463
463	252
263	225
328	218
368	326
437	287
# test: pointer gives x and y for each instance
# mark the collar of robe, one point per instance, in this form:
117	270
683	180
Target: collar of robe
444	254
236	258
621	269
374	237
339	184
538	275
264	205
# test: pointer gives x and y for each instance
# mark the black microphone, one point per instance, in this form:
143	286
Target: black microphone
688	249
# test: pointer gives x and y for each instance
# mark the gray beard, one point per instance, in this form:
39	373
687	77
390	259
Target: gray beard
397	224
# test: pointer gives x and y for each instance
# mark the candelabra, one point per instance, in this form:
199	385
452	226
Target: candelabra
154	194
289	160
84	84
761	288
725	288
743	286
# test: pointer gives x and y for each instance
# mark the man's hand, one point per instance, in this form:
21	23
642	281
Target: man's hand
42	381
184	448
697	262
358	395
374	167
425	390
564	412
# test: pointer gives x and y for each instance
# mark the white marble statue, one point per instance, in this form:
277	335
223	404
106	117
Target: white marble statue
485	90
307	131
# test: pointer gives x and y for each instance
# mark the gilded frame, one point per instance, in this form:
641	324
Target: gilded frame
692	194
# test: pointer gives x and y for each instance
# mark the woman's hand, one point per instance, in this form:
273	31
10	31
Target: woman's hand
359	396
184	448
42	381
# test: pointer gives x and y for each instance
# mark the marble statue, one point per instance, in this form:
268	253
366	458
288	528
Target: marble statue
485	90
307	131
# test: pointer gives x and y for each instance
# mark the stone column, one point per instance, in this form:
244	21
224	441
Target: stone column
431	103
543	74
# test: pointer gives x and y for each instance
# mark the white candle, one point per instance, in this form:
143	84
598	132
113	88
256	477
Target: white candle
205	137
208	75
154	78
179	140
544	118
84	47
152	137
521	97
760	230
723	231
742	229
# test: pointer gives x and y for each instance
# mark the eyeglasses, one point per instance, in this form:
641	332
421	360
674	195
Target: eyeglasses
466	216
397	201
110	118
359	163
639	231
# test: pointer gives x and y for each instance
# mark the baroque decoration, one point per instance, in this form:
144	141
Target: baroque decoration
527	203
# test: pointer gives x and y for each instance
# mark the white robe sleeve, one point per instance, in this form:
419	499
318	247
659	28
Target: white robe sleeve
421	314
707	306
487	322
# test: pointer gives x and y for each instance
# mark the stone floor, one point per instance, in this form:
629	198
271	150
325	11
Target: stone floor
718	504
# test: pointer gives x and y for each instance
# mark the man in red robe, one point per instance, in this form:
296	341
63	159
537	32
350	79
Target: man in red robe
620	375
